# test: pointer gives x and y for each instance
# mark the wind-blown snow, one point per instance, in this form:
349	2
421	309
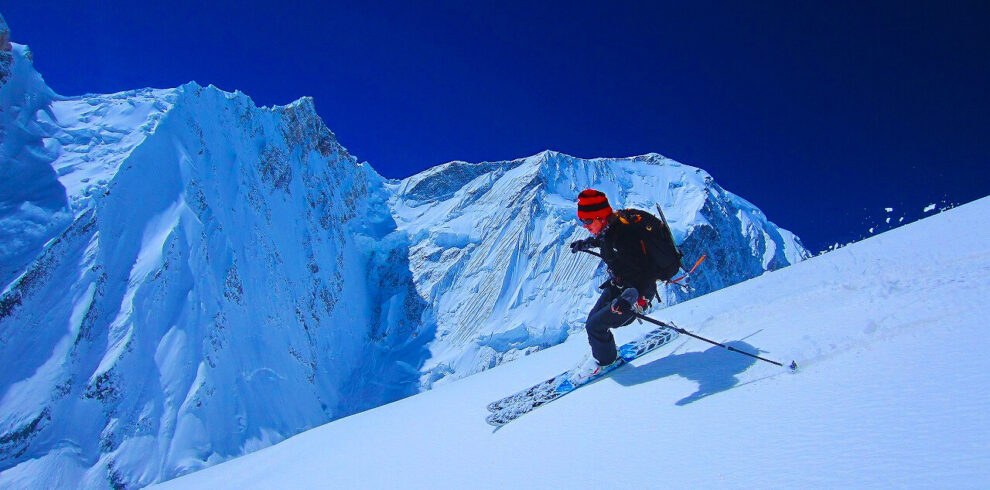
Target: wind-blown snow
889	334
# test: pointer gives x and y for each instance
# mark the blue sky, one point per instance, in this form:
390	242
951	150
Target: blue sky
821	114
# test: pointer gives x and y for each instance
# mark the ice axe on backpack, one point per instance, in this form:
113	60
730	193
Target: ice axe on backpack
680	255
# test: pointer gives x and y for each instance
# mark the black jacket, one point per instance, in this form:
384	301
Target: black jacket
623	253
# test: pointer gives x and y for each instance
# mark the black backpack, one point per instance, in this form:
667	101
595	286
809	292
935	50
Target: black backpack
663	258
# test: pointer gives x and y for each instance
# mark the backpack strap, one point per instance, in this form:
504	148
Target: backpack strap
627	217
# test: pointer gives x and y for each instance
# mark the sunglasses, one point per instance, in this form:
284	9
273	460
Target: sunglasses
587	222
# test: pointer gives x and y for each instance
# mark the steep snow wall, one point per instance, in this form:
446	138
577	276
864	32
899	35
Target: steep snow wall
33	206
490	248
217	277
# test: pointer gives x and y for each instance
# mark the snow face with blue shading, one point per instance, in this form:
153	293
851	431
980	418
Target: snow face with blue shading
33	205
189	278
227	277
490	252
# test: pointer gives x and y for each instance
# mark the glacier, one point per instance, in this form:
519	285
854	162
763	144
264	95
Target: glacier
188	277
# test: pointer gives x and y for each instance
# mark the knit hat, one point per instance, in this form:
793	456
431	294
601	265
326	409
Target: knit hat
593	204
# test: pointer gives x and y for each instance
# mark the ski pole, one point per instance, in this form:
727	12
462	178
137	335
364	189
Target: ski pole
596	254
677	329
729	347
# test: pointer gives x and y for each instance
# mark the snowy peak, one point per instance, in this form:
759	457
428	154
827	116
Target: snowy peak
224	277
489	246
95	134
442	181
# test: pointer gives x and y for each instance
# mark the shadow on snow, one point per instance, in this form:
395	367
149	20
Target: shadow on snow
714	370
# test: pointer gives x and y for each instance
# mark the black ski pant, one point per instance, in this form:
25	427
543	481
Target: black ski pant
600	320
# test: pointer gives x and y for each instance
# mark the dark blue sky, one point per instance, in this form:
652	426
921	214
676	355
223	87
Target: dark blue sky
821	114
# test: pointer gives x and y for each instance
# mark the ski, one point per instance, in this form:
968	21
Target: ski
513	406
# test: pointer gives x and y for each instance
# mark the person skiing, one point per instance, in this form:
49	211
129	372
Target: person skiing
632	280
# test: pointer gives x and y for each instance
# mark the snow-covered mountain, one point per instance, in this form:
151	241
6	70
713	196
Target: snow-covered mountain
489	246
889	334
188	277
33	206
216	287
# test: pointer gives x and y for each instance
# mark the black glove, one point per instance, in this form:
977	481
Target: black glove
586	244
620	305
625	302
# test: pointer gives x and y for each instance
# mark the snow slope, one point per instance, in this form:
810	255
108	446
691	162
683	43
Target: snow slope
889	333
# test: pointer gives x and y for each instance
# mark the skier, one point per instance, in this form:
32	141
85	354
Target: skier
632	282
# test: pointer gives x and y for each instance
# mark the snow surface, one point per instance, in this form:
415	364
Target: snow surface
889	334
